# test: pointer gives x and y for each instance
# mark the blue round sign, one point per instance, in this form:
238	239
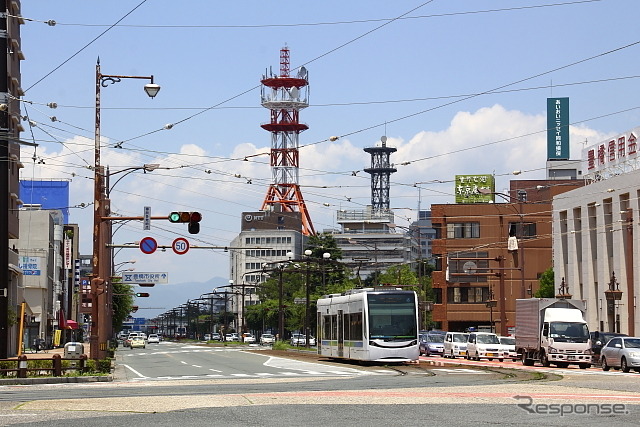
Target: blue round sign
148	245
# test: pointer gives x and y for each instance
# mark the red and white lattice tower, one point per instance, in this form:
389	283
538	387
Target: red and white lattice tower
285	96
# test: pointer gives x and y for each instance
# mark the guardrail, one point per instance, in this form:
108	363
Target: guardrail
56	369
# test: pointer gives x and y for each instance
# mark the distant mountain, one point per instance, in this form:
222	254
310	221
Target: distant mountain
163	298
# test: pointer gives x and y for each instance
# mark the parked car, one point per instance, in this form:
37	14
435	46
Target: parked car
248	338
484	345
232	337
455	344
267	339
215	336
508	345
600	339
432	343
298	340
138	342
153	338
621	352
312	340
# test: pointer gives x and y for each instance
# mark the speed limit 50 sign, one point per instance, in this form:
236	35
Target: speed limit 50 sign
180	246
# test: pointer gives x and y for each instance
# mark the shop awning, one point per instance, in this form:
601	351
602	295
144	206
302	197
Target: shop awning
71	324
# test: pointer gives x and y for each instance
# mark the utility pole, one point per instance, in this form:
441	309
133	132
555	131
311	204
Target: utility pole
4	188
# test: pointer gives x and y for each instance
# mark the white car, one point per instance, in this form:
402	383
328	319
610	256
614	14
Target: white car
267	339
455	344
153	339
484	345
508	345
248	338
298	340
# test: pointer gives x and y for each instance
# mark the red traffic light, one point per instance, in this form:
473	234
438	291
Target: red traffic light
195	217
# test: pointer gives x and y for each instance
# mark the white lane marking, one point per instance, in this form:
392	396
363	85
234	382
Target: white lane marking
134	371
196	366
214	370
282	363
183	362
264	374
461	371
240	375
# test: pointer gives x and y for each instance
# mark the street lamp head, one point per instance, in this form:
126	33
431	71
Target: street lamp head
231	281
152	89
289	255
326	255
308	252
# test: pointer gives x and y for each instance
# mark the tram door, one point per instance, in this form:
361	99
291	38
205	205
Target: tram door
340	334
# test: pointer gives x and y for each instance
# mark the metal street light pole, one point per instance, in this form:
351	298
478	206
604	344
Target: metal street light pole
307	321
101	330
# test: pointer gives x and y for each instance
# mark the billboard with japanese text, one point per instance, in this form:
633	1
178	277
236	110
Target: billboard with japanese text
557	128
467	188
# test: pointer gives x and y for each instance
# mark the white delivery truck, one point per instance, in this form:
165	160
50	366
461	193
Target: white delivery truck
552	331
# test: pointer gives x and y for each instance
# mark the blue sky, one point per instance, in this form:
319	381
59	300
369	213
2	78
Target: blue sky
370	75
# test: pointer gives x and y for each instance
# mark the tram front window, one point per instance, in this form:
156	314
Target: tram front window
392	317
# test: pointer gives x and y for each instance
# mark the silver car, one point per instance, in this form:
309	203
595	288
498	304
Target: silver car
621	352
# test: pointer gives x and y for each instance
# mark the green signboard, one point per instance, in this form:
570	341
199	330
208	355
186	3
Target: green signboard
557	128
467	188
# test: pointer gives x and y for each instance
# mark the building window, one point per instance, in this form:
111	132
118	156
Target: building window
463	230
438	263
437	295
467	295
468	267
437	231
522	230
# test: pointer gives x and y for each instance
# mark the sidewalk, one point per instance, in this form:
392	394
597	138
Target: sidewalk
54	380
48	354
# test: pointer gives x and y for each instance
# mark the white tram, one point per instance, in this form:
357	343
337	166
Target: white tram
379	325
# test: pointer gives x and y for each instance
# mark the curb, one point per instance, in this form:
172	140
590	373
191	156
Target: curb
56	380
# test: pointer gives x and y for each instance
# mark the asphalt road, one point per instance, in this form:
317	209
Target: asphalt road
177	384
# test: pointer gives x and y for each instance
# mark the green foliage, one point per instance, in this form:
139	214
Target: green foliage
547	286
98	366
280	345
122	302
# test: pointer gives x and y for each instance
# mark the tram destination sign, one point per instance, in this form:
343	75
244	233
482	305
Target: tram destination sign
145	278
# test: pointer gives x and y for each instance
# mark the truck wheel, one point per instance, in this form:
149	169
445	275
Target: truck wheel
545	361
605	365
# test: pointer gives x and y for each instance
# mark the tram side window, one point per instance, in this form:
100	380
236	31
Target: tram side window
355	327
334	327
326	328
345	326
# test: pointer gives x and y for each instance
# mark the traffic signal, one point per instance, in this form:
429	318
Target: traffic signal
142	294
193	218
